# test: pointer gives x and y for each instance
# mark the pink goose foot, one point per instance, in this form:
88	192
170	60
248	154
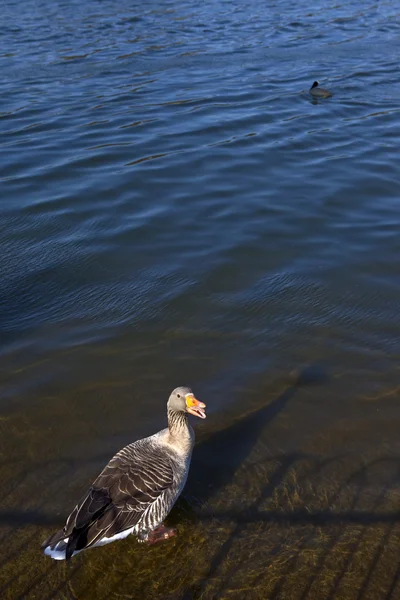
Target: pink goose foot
160	533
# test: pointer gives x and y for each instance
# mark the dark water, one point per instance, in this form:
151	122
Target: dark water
176	208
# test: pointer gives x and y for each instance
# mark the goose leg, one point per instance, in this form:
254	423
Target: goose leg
160	533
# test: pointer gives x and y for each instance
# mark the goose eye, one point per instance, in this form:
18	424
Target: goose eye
178	395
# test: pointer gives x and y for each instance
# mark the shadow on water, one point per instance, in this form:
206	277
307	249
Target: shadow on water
356	539
220	455
327	517
19	523
310	528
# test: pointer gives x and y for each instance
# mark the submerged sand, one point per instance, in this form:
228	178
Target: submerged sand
283	502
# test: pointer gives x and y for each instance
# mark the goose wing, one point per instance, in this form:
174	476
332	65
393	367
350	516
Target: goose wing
117	499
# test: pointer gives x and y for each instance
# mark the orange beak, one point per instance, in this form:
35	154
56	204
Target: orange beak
195	407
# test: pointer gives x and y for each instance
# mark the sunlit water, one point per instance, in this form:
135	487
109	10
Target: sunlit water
176	208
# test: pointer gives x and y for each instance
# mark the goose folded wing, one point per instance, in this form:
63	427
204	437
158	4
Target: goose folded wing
125	488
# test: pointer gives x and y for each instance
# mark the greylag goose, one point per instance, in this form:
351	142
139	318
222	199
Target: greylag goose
137	489
318	92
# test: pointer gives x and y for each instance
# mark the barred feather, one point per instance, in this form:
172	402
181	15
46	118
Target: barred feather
133	494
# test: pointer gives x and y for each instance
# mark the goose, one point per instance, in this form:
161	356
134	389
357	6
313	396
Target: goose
319	92
137	489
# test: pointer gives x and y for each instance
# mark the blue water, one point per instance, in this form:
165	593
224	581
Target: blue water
164	169
176	208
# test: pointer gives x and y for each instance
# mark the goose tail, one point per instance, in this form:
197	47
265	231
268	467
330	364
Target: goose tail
56	546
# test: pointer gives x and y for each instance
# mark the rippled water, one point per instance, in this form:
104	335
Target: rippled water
176	208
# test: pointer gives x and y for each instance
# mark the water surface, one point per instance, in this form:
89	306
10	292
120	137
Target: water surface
176	209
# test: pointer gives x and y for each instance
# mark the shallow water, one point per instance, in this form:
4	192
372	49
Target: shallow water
175	208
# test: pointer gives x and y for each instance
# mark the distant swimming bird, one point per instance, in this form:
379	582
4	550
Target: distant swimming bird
318	92
137	489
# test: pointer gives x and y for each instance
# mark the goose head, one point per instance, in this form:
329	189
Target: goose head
182	399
